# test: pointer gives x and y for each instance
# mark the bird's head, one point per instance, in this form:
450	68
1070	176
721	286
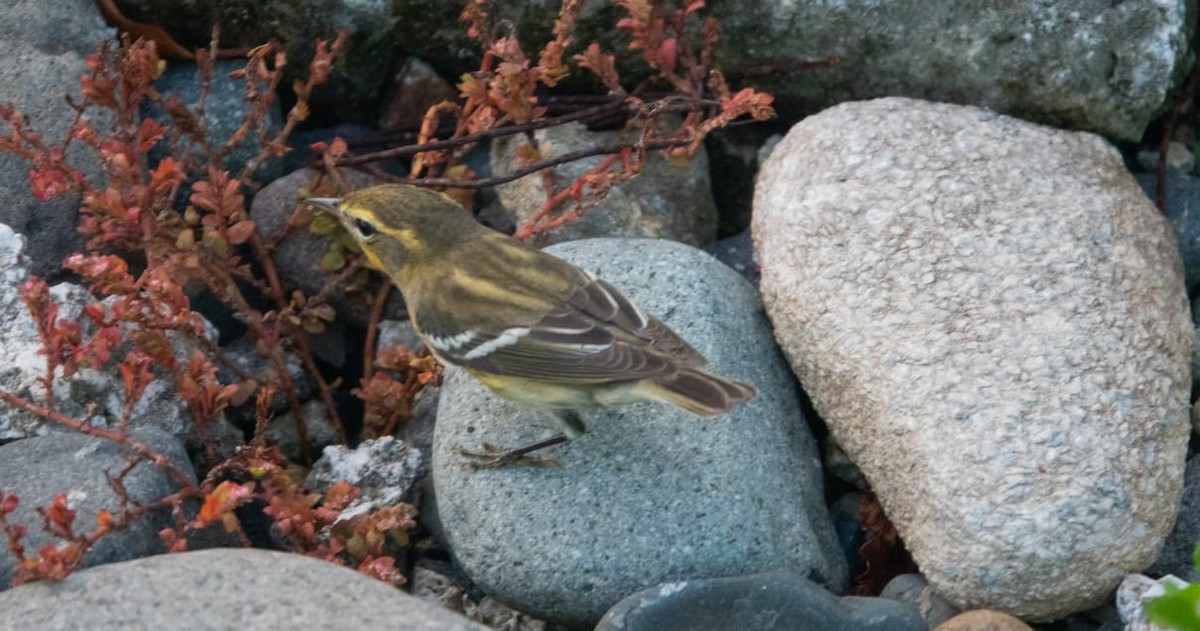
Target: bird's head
397	225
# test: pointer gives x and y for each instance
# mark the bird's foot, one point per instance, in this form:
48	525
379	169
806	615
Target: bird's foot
493	457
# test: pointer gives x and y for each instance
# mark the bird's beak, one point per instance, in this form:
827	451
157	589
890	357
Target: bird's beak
327	204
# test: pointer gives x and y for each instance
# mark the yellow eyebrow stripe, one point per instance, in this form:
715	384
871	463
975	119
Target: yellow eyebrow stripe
405	236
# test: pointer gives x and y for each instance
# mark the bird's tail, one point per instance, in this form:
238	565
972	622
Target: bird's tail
698	392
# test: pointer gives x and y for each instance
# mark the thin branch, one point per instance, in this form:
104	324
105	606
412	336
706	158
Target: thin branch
377	305
572	156
1185	96
483	135
99	432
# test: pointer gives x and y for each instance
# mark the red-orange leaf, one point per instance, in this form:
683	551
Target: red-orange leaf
149	134
668	54
240	232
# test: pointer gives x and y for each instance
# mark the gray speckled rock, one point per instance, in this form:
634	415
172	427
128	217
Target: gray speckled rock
1085	64
223	589
650	493
667	200
991	318
39	468
771	601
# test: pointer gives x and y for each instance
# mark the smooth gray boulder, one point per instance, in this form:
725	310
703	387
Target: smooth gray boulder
771	601
651	493
991	318
228	588
38	469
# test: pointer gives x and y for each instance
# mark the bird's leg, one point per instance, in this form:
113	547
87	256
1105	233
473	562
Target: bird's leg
571	422
492	457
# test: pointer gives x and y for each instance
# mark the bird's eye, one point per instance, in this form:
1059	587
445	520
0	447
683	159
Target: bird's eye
365	228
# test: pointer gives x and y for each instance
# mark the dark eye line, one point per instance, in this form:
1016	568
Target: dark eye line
365	228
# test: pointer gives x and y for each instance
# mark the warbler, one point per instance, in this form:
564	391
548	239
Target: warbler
531	327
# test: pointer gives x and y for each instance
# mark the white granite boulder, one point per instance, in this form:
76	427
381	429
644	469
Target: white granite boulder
991	318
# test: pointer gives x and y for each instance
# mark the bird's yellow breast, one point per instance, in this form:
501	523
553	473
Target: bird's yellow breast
540	394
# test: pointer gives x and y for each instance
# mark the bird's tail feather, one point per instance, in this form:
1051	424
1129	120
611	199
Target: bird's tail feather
699	392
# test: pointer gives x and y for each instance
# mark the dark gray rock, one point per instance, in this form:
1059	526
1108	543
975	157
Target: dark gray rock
846	513
913	590
398	333
1176	557
224	111
651	493
771	601
298	257
242	354
223	589
358	75
737	252
318	428
45	42
38	469
1183	211
1084	64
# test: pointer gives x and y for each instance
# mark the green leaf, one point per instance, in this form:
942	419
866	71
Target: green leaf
1176	609
323	224
333	260
347	242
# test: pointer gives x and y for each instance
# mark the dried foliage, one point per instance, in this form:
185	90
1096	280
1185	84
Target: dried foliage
137	329
504	97
883	551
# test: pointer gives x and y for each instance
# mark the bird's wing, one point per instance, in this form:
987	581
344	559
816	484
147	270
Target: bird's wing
607	304
595	335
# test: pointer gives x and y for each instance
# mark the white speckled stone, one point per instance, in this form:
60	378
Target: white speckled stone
22	366
1135	592
991	318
